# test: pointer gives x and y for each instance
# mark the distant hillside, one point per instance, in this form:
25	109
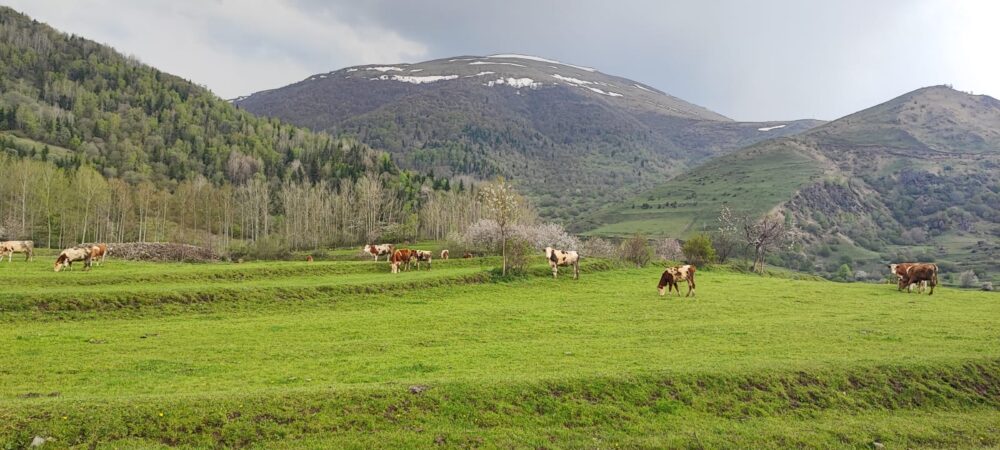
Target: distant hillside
87	103
917	177
573	137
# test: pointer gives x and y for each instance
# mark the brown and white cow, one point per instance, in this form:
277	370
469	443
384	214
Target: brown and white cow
377	250
444	254
422	256
8	248
672	275
98	252
68	256
558	258
468	255
402	256
918	273
900	270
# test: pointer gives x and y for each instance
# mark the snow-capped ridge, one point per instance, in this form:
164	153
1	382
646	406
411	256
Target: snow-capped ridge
536	58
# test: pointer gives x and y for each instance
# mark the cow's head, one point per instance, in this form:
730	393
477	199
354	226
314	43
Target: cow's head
59	262
892	268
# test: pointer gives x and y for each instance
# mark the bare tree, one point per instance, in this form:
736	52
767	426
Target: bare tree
726	237
505	206
763	236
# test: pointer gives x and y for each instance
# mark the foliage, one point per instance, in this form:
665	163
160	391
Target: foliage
968	279
669	249
636	250
600	248
844	273
505	207
698	250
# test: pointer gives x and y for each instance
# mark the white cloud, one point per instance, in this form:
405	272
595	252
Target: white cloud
233	47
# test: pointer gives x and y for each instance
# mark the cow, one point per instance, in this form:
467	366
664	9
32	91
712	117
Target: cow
563	258
422	256
377	250
444	254
97	253
672	275
899	270
468	255
402	256
68	256
10	247
919	273
309	258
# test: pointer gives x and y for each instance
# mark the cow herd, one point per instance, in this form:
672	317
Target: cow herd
907	275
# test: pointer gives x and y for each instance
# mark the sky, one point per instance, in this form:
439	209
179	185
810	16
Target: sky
760	60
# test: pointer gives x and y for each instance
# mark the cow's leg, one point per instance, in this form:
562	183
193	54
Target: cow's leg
690	288
576	271
555	270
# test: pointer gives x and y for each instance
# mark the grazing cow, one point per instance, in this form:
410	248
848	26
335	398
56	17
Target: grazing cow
467	255
672	275
422	256
309	258
899	270
377	250
10	247
402	256
444	254
97	253
68	256
562	258
918	274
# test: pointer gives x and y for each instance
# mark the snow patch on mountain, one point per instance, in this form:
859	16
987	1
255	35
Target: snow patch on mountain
479	63
417	80
515	83
575	81
771	128
479	74
608	93
535	58
385	69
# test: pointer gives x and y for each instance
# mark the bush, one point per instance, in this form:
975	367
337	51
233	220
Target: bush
987	286
519	253
698	250
600	248
968	279
636	250
843	273
669	250
547	235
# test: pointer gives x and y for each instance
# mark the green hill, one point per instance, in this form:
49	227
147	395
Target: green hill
917	177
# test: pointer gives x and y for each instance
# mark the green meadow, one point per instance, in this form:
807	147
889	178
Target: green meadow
344	354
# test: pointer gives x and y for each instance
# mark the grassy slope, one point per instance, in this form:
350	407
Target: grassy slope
748	182
601	361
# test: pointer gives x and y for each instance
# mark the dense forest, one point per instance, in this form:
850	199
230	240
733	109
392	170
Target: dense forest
96	146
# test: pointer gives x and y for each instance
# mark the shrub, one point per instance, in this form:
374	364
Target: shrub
968	279
669	249
987	286
636	250
844	273
599	248
547	235
519	252
860	275
698	250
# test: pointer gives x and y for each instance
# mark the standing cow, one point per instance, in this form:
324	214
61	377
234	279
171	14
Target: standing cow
672	275
444	254
98	252
8	248
558	258
402	256
422	256
920	274
377	250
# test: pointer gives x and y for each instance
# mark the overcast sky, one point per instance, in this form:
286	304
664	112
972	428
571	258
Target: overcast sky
760	60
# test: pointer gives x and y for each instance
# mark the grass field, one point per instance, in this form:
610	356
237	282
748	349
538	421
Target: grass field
749	183
344	354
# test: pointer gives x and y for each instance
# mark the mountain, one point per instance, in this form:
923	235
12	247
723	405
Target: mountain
85	103
917	177
573	137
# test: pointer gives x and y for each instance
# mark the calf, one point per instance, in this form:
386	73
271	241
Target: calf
563	258
444	254
401	256
10	247
377	250
672	275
